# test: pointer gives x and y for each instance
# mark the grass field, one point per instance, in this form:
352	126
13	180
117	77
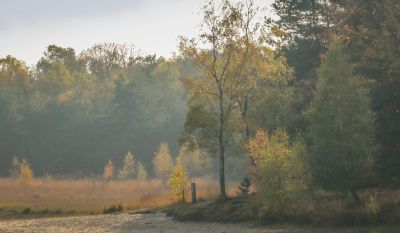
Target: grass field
79	197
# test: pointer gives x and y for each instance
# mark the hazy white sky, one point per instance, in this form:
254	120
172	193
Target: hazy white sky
27	27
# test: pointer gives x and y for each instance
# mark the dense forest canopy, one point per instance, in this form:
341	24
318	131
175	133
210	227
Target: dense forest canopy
73	112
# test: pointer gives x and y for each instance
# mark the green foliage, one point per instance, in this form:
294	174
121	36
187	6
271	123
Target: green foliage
54	54
341	126
141	172
179	182
277	167
59	105
232	55
26	210
128	170
370	33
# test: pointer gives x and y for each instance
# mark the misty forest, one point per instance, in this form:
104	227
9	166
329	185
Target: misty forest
302	107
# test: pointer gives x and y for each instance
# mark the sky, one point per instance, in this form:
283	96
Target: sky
27	27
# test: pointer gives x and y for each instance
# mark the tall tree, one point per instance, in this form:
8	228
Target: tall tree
66	56
340	126
370	31
302	31
15	74
232	55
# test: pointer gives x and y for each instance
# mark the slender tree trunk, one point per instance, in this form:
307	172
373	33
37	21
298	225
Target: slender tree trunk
222	175
222	150
355	196
222	162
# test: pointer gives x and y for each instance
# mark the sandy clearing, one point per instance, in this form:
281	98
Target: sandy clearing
124	223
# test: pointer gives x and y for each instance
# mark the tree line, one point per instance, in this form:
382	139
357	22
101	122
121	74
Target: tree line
322	78
72	113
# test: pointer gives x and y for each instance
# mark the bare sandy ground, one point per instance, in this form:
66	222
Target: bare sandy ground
124	223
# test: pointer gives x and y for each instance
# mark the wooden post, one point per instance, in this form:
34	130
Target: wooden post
193	186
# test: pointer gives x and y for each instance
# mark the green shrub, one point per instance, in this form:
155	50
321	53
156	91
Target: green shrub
244	188
26	211
59	211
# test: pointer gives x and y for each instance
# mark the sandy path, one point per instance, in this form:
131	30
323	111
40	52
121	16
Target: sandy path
124	223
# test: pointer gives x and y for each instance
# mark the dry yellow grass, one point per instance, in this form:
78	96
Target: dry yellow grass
91	196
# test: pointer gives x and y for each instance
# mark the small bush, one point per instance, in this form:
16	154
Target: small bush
59	211
128	170
26	211
113	209
141	172
26	174
22	171
179	182
108	171
244	188
15	171
47	176
45	211
372	209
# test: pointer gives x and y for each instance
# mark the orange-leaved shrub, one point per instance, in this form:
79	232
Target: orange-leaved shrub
108	171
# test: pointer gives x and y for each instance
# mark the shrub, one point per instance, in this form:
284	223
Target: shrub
244	187
15	171
22	171
108	171
179	182
141	172
371	209
276	166
113	209
47	176
128	170
163	164
59	211
26	211
26	174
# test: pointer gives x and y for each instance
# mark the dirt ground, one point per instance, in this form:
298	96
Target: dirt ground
124	223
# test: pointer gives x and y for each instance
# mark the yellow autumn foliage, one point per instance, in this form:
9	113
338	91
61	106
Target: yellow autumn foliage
26	173
179	182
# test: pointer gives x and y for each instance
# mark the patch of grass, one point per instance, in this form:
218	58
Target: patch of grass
12	211
90	196
70	212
